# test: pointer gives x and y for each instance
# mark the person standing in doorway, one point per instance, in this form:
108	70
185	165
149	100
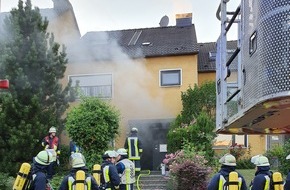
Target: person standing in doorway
51	144
133	145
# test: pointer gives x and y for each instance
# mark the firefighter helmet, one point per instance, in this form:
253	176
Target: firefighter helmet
228	160
122	151
52	130
260	160
44	157
110	154
77	160
134	130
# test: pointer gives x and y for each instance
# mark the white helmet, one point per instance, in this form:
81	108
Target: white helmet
52	130
77	160
228	160
44	157
288	157
122	151
260	160
110	154
134	129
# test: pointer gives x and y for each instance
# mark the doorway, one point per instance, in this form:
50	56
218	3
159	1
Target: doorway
153	135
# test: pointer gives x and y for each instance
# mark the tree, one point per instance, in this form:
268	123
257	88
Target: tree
195	124
199	134
93	124
199	99
36	100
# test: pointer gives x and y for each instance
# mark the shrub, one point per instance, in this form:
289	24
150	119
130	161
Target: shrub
6	181
187	168
245	163
93	124
237	151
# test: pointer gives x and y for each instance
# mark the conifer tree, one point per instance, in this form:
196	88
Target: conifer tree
34	64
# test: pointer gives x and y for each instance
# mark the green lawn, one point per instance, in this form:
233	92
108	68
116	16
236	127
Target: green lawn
248	174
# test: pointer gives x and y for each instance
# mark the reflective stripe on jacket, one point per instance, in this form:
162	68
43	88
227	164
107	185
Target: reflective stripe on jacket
106	176
267	183
133	150
128	175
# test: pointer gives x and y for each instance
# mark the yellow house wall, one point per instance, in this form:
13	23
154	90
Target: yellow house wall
205	77
136	87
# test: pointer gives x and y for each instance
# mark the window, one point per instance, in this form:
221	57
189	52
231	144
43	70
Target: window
253	43
170	77
97	85
225	141
212	55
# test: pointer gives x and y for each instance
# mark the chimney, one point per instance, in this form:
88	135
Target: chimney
184	19
61	5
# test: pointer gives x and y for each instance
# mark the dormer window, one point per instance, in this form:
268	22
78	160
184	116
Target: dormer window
212	55
146	43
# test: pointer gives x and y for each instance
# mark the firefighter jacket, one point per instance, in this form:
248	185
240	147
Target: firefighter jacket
39	176
287	183
50	143
261	180
109	176
220	178
68	181
134	147
126	170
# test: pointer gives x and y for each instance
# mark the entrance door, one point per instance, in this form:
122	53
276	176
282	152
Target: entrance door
153	135
159	133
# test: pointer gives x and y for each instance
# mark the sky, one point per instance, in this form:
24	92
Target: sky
104	15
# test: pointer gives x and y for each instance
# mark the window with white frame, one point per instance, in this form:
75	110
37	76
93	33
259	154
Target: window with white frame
170	77
95	85
225	141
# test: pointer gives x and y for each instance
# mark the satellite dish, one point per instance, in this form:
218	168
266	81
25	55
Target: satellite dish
164	21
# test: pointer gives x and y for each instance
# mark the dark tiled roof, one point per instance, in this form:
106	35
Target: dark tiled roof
207	64
149	42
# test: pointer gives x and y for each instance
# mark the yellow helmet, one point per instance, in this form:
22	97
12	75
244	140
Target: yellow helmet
77	160
44	157
52	130
228	160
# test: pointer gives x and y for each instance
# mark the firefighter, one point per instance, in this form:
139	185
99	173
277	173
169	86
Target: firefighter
78	162
126	170
110	179
39	170
50	143
263	173
73	147
133	145
220	179
287	182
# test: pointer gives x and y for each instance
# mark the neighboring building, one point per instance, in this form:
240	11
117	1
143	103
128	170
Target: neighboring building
62	23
